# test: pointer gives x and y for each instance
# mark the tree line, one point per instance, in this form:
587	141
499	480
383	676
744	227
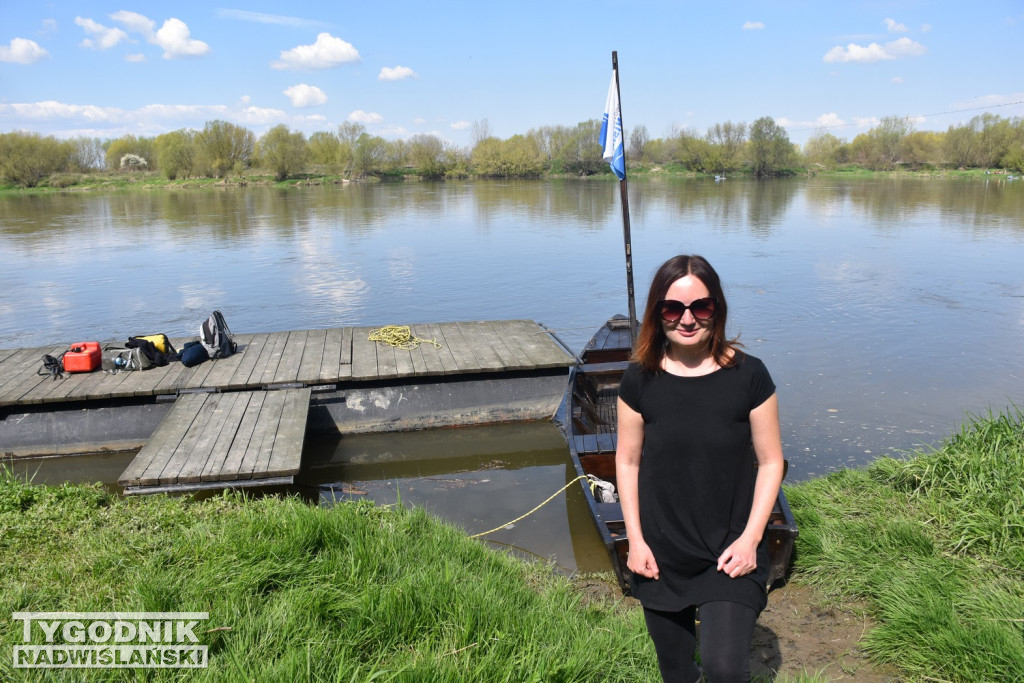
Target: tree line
762	149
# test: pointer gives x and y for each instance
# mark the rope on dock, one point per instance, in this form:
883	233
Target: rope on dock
399	336
552	497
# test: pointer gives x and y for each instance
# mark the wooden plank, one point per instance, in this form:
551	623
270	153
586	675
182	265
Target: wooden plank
286	456
505	348
149	379
28	377
477	338
58	390
108	385
427	357
250	356
345	369
21	365
291	357
187	448
330	364
537	344
364	355
270	358
444	353
222	446
219	407
229	470
89	387
313	357
168	383
460	348
5	354
404	366
223	369
266	424
273	409
146	467
387	363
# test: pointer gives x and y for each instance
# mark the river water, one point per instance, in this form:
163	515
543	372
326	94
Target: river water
887	310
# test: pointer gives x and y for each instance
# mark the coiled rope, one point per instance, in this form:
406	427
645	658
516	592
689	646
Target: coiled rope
552	497
399	336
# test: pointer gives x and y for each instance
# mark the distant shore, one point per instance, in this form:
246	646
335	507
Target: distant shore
152	180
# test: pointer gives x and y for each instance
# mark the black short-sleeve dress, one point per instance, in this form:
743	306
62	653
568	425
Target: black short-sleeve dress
696	481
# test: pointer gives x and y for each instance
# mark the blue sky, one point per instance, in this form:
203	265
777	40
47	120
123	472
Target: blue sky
105	69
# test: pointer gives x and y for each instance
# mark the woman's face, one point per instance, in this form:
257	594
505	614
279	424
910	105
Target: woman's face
687	332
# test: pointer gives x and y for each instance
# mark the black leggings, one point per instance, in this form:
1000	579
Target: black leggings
726	631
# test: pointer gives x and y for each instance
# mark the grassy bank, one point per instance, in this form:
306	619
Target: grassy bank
151	180
933	546
355	593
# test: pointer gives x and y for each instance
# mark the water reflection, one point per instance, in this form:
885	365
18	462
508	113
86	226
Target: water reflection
477	478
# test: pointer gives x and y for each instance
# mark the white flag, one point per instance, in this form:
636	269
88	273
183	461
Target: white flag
612	144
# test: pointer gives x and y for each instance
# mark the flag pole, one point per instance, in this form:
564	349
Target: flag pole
624	194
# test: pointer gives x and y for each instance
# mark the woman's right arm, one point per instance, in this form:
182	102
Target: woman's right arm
627	467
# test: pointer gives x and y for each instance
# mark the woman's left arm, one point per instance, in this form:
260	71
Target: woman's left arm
741	556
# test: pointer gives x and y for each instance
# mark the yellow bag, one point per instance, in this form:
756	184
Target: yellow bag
160	341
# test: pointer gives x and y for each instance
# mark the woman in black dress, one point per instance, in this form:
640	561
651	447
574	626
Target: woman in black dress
696	415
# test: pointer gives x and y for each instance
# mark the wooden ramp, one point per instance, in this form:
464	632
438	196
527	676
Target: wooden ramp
218	440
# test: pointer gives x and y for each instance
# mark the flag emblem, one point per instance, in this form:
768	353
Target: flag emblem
611	131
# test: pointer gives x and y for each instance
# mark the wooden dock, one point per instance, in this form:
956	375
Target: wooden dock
242	420
209	439
297	358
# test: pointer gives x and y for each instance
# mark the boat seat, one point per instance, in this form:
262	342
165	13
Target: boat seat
609	368
611	513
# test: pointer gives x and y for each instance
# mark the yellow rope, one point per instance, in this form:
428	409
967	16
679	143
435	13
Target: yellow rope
399	336
552	497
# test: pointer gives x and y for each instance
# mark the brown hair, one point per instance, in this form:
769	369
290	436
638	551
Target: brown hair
650	342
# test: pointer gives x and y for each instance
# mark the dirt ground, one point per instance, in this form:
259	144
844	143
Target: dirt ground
796	634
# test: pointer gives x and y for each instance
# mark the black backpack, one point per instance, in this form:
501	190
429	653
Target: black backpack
215	336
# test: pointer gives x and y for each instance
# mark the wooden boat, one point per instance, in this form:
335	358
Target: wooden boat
588	416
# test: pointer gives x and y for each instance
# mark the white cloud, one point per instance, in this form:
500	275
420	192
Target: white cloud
65	120
753	25
829	120
397	73
866	121
22	51
896	79
263	18
49	27
177	41
325	53
135	22
303	95
904	47
360	116
135	57
174	37
461	125
894	26
101	37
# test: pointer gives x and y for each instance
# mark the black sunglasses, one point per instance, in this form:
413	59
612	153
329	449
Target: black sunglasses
672	311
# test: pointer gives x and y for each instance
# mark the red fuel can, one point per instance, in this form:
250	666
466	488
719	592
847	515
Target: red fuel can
82	357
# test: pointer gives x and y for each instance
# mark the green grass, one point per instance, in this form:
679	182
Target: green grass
351	593
934	544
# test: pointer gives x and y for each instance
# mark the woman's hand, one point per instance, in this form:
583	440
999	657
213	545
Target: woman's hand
641	560
740	557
